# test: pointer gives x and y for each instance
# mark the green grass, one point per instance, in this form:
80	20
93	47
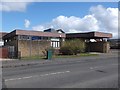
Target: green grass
73	56
58	56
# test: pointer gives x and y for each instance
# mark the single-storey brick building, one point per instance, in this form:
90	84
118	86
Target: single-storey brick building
32	43
95	41
27	43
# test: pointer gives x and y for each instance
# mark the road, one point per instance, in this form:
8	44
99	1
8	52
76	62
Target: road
95	73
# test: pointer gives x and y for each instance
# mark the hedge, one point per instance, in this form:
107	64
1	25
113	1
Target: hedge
73	47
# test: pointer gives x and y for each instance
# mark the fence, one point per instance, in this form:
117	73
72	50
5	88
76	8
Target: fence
14	55
4	52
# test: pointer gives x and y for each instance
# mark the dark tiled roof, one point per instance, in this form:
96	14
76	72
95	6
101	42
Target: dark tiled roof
50	30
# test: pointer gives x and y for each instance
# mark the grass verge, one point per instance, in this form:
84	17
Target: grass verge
73	56
58	56
33	58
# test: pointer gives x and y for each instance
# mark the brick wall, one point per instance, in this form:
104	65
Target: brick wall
32	48
98	47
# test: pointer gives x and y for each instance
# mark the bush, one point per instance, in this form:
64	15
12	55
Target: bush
73	47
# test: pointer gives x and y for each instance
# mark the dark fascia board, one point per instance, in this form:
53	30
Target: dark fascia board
80	35
40	33
103	35
33	33
89	35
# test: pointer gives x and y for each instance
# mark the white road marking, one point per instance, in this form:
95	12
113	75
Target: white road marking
53	73
27	77
91	68
12	79
101	66
58	72
46	74
67	71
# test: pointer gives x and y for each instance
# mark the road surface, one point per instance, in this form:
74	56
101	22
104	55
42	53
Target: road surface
95	73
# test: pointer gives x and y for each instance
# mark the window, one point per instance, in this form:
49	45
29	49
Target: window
55	44
36	38
24	37
45	38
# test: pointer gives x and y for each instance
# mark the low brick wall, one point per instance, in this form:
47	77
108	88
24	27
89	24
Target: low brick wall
102	47
32	48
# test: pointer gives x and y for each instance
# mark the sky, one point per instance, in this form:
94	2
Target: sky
71	17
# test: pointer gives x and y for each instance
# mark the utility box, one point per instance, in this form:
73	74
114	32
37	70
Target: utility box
49	54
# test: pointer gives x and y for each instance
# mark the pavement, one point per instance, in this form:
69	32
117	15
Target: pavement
81	72
7	63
